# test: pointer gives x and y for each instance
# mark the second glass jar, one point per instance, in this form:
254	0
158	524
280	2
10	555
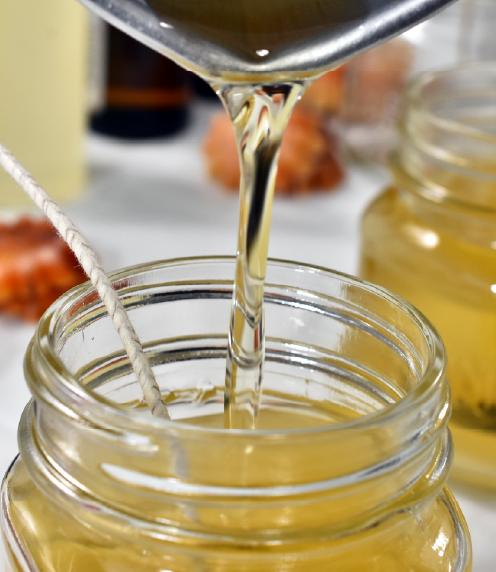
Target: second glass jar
431	237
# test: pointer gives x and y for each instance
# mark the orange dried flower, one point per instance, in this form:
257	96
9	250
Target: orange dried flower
36	267
326	94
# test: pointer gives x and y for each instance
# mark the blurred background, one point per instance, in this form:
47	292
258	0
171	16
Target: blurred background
142	156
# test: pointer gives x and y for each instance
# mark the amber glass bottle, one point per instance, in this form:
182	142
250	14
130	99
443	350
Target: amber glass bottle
145	94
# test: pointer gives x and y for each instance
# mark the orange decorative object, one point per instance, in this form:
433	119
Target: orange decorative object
36	267
326	94
309	159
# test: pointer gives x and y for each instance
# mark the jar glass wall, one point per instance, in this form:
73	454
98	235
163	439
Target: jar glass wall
431	237
346	468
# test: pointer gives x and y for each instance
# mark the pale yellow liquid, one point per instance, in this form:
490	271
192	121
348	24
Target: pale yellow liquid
420	539
450	279
257	31
43	94
259	118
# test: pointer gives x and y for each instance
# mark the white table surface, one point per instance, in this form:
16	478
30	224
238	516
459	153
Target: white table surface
154	201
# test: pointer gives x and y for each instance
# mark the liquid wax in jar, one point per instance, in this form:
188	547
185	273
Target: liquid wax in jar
396	544
420	264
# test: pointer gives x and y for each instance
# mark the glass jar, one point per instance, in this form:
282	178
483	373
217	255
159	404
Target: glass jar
347	467
431	237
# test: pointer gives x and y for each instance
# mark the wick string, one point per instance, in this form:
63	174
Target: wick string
88	260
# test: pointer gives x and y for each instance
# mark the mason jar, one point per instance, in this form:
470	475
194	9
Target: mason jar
431	237
346	469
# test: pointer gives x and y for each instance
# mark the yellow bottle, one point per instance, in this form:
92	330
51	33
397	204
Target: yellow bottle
43	94
431	237
346	470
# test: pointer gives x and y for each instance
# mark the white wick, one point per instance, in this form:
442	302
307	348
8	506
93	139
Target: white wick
89	262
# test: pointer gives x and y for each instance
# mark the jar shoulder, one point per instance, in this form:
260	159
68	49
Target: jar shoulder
430	540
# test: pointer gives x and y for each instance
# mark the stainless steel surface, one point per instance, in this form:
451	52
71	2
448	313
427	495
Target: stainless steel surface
374	21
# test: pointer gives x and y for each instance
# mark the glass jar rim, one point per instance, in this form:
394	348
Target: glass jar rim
416	98
42	361
447	145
